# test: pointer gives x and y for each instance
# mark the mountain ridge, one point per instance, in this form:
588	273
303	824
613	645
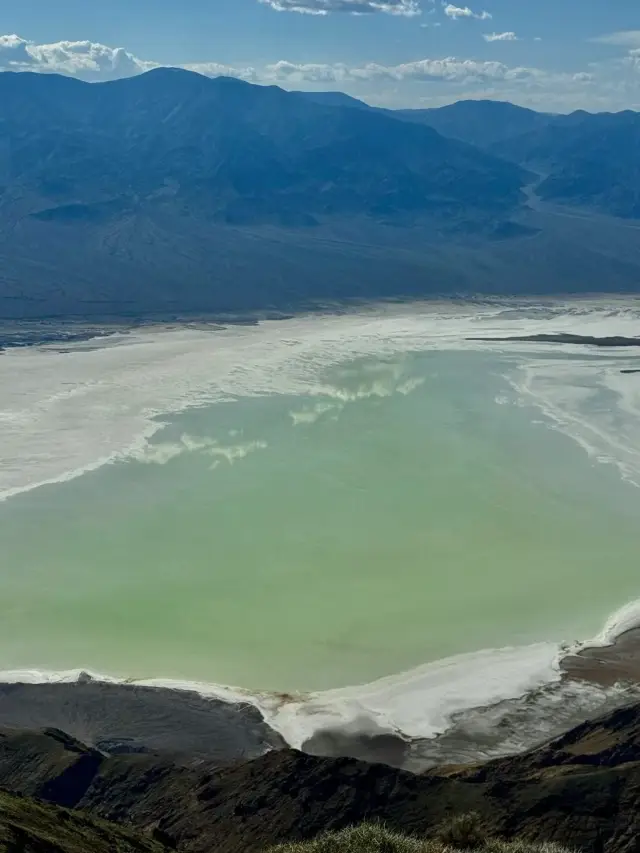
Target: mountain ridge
240	142
173	193
584	159
581	790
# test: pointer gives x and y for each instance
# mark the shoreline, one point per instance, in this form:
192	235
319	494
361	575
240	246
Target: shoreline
197	722
372	735
26	332
17	334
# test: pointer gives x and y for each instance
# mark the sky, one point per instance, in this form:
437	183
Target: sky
556	55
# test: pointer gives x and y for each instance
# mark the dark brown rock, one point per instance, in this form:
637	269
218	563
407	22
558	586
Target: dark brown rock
582	790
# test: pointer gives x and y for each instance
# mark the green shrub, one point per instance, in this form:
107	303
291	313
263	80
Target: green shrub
377	838
462	832
366	838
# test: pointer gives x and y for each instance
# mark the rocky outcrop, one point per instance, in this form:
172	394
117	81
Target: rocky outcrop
581	790
119	718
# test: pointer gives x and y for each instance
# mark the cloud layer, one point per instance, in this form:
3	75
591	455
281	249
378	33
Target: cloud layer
408	8
84	59
91	61
610	84
450	69
624	38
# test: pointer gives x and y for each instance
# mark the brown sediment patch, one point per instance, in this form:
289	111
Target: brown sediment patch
128	718
607	665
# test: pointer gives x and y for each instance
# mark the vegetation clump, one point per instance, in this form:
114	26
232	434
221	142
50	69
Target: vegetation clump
459	834
462	832
28	826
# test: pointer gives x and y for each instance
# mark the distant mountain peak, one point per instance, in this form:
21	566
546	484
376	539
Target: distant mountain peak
179	189
335	99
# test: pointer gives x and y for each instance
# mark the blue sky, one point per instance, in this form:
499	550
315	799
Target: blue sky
550	54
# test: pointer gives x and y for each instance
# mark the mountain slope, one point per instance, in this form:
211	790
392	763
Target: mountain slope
335	99
482	123
171	194
588	160
231	150
30	827
585	160
581	790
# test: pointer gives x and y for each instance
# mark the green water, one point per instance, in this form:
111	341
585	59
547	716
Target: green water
406	523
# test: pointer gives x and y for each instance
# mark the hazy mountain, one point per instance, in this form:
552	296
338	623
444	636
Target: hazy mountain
586	159
335	99
481	123
590	160
235	152
174	193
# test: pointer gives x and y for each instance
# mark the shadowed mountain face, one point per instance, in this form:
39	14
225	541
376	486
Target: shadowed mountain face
481	123
233	151
584	159
171	193
335	99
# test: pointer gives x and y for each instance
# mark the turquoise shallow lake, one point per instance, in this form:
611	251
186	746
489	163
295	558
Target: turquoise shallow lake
348	513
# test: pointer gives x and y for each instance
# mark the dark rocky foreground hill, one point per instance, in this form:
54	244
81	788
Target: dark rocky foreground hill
27	826
582	790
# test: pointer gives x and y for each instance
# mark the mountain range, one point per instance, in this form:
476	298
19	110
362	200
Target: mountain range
583	159
172	192
232	151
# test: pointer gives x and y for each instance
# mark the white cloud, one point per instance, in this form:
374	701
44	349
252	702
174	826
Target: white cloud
84	59
449	69
614	84
633	59
94	62
456	12
629	39
90	61
500	37
623	38
310	72
407	8
216	69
